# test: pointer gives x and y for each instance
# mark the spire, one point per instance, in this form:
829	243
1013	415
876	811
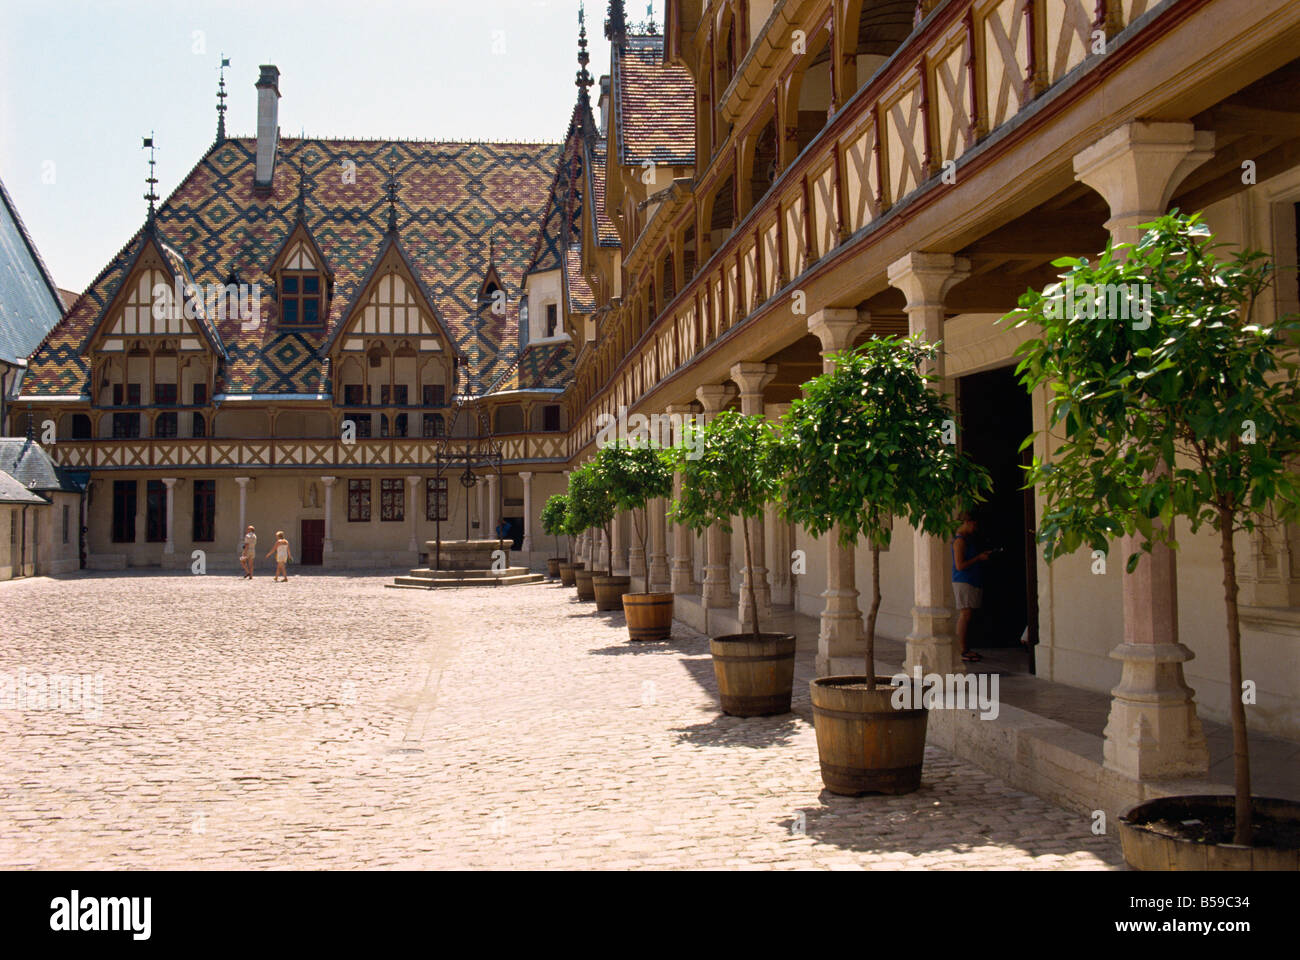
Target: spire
392	189
221	99
584	80
151	182
616	24
302	184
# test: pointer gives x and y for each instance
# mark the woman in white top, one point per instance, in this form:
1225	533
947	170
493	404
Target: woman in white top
248	556
281	551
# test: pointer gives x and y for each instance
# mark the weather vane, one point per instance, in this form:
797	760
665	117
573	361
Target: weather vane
152	181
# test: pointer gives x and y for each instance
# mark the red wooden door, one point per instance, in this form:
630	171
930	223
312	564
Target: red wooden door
313	543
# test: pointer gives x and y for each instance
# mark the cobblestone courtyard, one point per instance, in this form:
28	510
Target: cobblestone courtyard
330	723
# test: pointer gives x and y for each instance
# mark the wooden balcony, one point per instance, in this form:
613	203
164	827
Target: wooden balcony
967	72
287	453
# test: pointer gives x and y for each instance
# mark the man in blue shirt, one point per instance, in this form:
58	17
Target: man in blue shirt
967	580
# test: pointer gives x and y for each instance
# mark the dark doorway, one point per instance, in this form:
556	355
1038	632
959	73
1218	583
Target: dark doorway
996	417
312	553
516	532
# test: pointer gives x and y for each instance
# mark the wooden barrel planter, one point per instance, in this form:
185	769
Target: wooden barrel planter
553	566
866	745
1195	833
755	678
566	572
609	591
649	615
582	580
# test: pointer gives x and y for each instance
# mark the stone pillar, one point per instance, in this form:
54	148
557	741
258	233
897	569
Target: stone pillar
1153	730
841	633
478	489
751	378
681	572
527	477
637	549
493	518
170	484
243	509
328	545
777	532
618	556
658	576
717	575
413	513
925	279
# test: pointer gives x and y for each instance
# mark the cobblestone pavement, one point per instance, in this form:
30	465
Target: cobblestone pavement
329	723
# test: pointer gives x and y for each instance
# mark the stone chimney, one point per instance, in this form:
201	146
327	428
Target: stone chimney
604	106
268	128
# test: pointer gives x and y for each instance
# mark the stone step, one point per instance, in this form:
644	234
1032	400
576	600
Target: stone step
428	573
430	583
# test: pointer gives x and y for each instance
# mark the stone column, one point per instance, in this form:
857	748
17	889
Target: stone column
681	571
751	378
777	533
618	554
925	279
527	478
1153	730
412	513
841	633
658	576
717	576
478	489
243	509
637	550
170	484
328	545
493	501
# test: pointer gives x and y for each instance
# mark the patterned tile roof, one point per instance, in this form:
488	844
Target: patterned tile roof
606	234
541	366
581	299
30	304
454	199
654	105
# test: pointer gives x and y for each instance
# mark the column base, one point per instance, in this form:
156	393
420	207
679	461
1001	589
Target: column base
1153	732
841	635
660	579
680	580
717	588
932	644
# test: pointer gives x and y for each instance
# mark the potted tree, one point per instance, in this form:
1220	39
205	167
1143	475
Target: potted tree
553	524
636	473
866	444
592	509
734	473
1190	409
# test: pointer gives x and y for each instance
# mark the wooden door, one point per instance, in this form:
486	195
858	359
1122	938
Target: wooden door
312	551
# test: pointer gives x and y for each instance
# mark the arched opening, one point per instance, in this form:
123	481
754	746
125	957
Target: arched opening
764	163
809	102
669	273
509	419
722	219
882	26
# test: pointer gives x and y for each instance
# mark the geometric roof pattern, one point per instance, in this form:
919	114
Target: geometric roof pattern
654	105
460	206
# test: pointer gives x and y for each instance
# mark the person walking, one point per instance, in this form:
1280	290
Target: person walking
248	555
967	580
282	556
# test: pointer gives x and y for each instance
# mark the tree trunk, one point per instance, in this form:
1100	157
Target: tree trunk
1240	744
871	617
749	577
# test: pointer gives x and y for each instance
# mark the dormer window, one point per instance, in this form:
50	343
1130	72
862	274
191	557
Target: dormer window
300	298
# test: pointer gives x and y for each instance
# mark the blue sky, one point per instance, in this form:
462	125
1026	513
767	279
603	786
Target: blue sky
82	83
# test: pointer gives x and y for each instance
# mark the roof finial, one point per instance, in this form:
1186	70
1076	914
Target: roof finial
221	99
650	28
392	189
616	24
584	81
151	182
302	183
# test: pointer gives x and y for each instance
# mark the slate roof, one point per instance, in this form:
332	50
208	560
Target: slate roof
11	491
25	461
453	198
606	234
581	299
30	305
654	105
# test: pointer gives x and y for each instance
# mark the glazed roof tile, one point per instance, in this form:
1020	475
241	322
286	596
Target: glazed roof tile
654	105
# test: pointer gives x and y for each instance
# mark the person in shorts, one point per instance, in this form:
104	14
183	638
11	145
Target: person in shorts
248	554
282	556
967	580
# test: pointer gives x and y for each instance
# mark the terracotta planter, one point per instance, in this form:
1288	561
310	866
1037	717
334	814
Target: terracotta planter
566	572
866	745
609	591
582	580
755	678
649	615
1147	849
553	566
